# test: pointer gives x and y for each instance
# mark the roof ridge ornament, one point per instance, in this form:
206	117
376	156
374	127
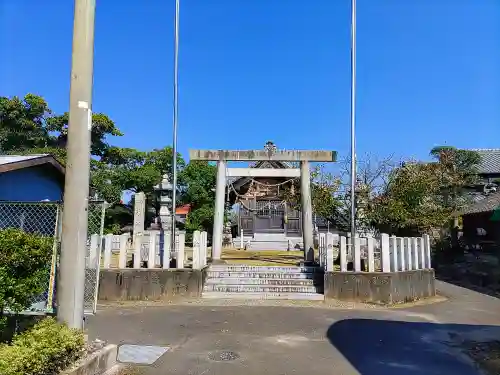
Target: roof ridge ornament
271	148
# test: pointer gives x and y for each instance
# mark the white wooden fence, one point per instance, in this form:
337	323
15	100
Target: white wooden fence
383	253
119	251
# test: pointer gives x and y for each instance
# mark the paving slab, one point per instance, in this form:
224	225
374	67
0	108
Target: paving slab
286	339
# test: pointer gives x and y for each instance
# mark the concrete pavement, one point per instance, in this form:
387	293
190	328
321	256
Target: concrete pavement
280	339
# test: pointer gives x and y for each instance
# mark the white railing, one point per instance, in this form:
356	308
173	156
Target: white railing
383	253
119	251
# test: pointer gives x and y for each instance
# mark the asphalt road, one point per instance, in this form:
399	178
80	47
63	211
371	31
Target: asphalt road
279	340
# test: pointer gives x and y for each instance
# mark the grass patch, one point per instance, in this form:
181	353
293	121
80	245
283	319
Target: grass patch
262	258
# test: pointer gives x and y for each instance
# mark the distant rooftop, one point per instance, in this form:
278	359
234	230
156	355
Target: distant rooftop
10	163
7	159
490	160
487	204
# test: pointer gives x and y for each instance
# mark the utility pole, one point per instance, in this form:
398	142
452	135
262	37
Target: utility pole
71	284
176	115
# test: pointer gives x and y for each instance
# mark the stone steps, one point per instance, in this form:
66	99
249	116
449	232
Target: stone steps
265	269
263	282
273	242
245	288
265	275
263	296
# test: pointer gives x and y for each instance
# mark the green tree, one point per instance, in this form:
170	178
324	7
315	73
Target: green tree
324	192
457	170
29	126
102	127
127	169
410	204
23	123
198	181
421	196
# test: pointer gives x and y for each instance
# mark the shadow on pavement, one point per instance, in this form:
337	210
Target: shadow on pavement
382	347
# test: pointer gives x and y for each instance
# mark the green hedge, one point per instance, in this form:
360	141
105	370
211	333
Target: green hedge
46	349
24	268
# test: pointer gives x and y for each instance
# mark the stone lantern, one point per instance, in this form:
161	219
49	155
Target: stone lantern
164	191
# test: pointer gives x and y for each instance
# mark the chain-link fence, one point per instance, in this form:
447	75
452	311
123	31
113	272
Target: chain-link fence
45	218
42	218
96	213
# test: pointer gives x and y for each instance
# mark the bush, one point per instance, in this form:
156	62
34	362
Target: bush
24	266
46	349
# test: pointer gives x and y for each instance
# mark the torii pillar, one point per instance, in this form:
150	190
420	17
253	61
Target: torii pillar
304	157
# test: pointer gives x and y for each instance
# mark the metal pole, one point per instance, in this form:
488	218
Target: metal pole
353	121
176	113
70	289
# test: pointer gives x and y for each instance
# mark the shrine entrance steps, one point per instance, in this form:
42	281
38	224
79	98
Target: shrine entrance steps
264	282
269	241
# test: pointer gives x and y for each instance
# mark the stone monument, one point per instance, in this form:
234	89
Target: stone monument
227	237
139	214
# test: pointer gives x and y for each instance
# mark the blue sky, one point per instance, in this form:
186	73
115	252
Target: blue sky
253	70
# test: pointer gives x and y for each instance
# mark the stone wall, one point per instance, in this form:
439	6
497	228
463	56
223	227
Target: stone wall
380	288
150	284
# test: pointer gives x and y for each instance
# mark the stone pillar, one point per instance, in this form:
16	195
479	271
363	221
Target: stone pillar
427	251
122	258
370	244
180	249
203	247
220	193
139	214
343	253
401	254
108	243
408	256
356	252
393	252
166	249
152	250
385	256
306	203
197	250
414	253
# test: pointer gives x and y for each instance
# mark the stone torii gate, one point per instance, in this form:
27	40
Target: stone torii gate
304	157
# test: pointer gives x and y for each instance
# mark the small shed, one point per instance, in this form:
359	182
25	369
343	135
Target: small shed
31	178
31	188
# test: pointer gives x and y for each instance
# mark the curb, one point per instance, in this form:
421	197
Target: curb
97	363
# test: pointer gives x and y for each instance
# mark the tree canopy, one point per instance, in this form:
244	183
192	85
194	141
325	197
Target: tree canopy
408	198
29	126
420	196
